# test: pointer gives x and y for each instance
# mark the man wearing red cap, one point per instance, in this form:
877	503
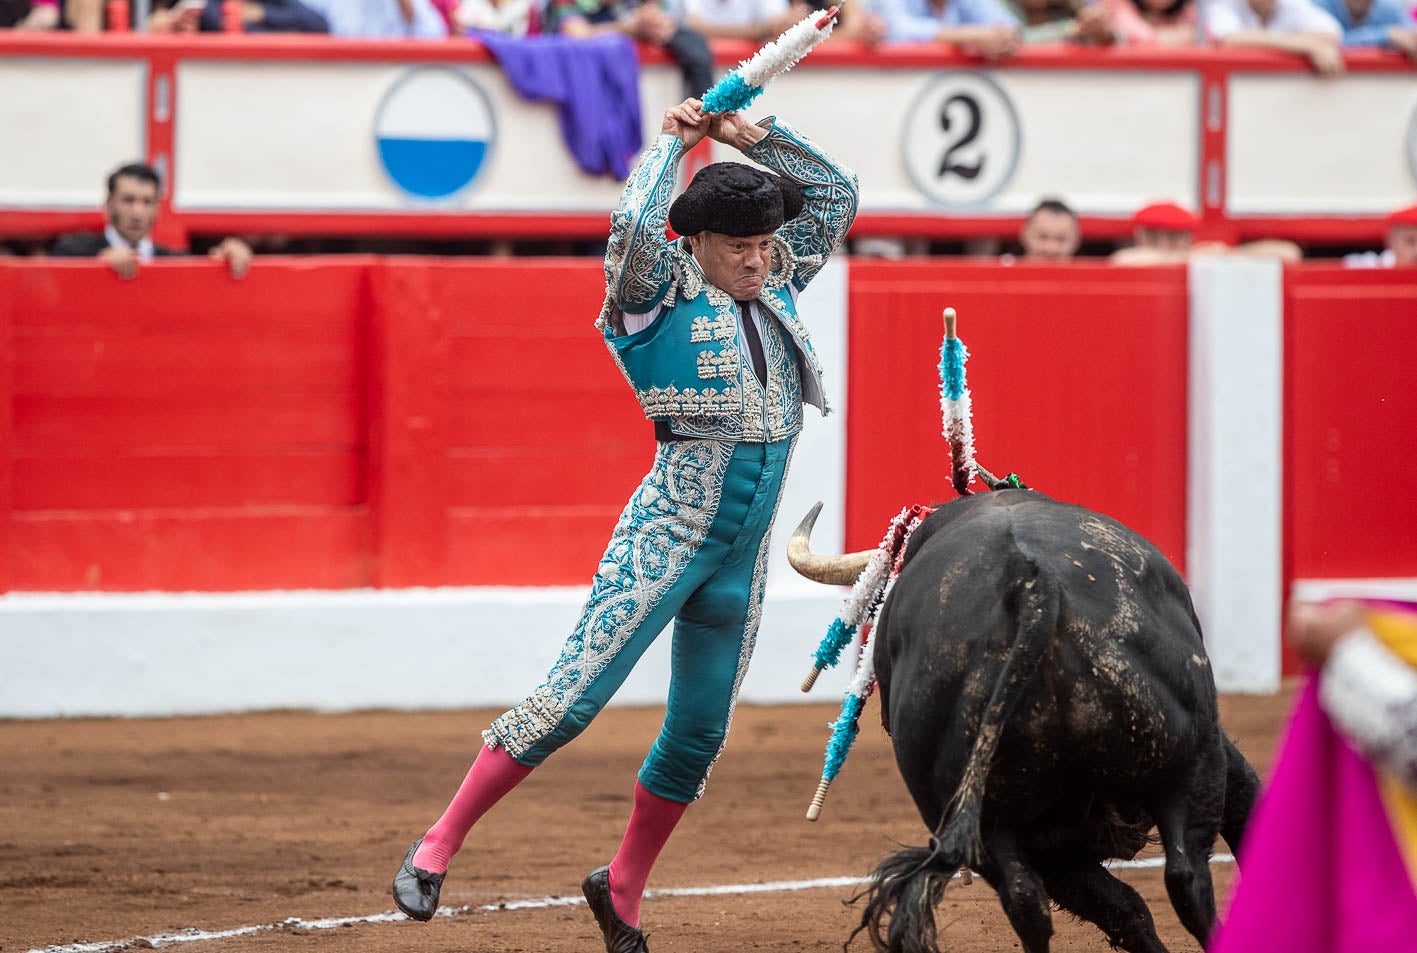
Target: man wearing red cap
1164	233
1400	249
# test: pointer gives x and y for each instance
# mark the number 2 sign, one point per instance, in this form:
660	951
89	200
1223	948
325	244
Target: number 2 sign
961	139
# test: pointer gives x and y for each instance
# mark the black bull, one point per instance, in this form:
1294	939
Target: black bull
1049	700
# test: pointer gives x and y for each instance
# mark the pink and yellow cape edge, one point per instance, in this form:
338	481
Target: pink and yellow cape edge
1395	625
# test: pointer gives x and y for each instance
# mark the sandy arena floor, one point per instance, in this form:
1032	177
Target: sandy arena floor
117	830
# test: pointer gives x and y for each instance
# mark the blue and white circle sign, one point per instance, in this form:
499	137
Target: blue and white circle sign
434	130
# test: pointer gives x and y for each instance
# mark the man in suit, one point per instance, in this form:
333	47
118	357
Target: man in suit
126	242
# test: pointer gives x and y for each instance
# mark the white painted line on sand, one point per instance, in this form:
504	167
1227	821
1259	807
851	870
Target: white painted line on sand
539	903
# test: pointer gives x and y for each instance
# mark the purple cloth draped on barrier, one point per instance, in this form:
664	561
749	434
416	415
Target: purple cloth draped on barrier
1320	869
595	84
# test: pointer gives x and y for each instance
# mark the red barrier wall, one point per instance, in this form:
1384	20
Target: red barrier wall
504	380
185	432
333	423
1350	423
324	424
1078	383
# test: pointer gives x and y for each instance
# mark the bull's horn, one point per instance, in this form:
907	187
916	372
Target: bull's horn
840	570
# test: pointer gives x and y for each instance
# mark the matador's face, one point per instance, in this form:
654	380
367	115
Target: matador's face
737	264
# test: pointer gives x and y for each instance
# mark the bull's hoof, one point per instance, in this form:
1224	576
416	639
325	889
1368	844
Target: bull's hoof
620	937
415	889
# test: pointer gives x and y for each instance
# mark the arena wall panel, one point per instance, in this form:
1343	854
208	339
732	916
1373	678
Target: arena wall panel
181	430
1269	170
546	439
442	413
78	118
370	427
1350	421
1078	381
1235	465
282	135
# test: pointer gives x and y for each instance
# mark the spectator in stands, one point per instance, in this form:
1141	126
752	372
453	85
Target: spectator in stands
1164	233
645	21
1050	233
756	20
1400	249
762	20
382	19
1295	26
856	22
81	16
27	15
1154	22
1385	23
977	27
512	17
1063	21
257	16
126	243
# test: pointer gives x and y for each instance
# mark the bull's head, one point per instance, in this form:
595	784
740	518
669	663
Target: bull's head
840	570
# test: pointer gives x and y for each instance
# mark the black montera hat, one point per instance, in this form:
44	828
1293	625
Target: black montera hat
735	199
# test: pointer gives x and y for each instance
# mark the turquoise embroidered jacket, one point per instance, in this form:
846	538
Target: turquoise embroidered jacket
684	367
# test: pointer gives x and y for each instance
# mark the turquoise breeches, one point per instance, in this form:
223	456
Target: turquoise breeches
692	546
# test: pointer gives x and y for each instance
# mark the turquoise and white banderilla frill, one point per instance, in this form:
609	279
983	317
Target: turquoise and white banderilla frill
859	611
873	586
745	82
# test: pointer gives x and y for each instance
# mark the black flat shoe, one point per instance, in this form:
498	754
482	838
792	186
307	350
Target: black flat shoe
416	889
620	937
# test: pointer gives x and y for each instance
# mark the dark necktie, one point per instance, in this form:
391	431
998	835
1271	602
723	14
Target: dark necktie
755	343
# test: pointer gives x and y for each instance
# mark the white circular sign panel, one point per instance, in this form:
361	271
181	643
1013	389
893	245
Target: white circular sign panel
961	139
433	131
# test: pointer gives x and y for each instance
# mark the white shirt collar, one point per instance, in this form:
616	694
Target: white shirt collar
144	248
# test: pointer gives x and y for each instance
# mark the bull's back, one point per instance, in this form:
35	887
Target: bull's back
1123	692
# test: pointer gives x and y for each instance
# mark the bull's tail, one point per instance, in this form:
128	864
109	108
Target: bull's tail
1037	598
908	885
904	890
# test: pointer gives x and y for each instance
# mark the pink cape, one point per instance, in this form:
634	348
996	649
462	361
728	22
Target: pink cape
1321	871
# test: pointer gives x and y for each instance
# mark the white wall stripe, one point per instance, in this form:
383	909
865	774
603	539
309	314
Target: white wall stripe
1235	459
1319	590
151	654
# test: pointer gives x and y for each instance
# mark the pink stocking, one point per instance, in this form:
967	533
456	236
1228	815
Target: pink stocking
651	823
492	775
